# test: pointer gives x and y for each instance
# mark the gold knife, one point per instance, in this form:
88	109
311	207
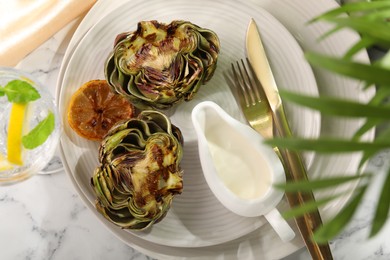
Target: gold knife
294	167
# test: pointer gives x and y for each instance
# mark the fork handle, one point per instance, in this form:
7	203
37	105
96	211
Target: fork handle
295	170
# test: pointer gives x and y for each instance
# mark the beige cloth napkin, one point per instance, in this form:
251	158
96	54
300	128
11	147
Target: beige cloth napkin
26	24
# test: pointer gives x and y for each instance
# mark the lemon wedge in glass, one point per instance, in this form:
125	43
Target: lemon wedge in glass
14	140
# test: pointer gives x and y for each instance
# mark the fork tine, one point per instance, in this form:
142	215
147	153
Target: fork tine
246	82
254	104
240	85
248	86
252	79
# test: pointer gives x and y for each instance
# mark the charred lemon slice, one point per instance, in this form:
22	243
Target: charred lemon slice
94	108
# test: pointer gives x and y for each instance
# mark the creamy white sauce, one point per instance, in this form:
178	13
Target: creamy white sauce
241	168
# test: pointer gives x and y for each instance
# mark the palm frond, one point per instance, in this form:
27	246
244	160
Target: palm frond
381	34
332	228
327	145
310	206
382	209
364	43
353	8
385	61
338	107
319	184
379	98
356	70
383	136
371	20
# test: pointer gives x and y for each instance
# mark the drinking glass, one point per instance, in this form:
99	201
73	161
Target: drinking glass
33	160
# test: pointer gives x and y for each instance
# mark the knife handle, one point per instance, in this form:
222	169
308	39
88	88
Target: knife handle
295	170
309	222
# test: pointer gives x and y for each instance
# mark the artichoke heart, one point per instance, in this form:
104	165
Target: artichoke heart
159	65
139	172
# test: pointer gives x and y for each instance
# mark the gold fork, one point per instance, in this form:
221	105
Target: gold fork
253	101
257	110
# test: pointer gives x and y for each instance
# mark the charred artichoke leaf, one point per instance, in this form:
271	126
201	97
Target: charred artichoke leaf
159	65
139	172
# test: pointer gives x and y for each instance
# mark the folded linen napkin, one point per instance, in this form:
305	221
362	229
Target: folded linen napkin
26	24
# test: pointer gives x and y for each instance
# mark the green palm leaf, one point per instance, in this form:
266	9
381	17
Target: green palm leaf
351	8
364	43
338	107
370	123
310	185
378	15
352	69
385	61
382	209
367	126
314	205
327	145
332	228
382	137
381	34
308	207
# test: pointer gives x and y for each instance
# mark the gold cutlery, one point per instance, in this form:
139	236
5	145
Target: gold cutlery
263	109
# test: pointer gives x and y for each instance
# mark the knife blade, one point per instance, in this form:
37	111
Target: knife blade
294	166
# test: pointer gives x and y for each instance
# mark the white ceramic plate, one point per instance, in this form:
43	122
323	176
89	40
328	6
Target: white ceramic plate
261	242
196	218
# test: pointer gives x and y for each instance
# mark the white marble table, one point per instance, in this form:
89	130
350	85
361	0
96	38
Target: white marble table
44	218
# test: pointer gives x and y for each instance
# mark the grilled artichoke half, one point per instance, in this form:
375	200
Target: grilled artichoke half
139	172
159	65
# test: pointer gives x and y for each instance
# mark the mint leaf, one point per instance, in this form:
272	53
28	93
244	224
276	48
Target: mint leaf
2	92
19	91
40	133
